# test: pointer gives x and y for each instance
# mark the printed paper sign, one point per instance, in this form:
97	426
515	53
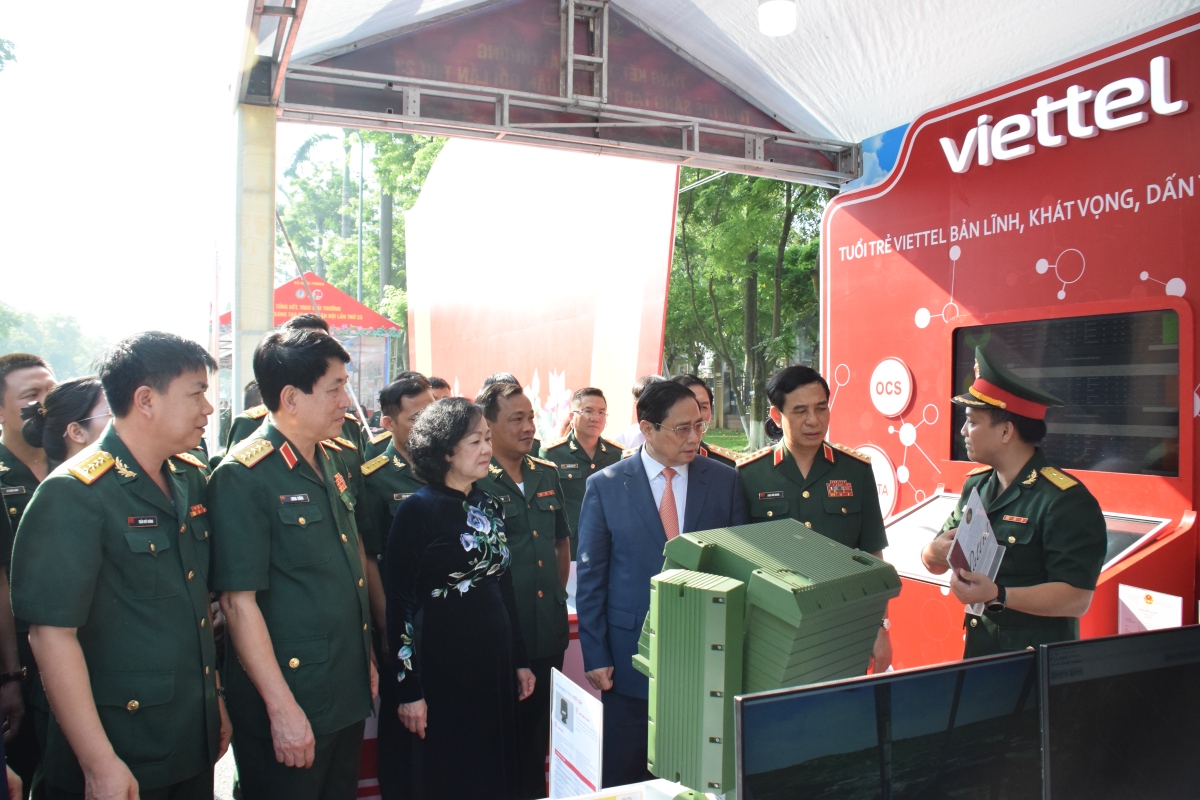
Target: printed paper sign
1144	610
576	738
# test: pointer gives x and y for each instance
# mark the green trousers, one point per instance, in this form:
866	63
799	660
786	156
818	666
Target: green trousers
333	775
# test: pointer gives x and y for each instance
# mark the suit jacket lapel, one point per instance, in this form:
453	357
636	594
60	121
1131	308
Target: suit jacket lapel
638	486
697	494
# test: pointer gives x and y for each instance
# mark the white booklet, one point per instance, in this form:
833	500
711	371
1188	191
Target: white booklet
975	548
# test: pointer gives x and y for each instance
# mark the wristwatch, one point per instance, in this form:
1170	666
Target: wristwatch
997	604
8	677
886	624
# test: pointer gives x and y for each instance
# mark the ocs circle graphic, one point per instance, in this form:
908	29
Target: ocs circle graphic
891	387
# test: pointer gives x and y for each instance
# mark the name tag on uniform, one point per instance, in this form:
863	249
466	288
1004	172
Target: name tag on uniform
7	490
1021	520
548	493
197	510
770	495
504	498
568	466
289	499
840	489
143	522
402	496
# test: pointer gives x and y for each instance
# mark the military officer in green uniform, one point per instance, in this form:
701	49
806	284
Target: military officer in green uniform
1049	522
388	480
828	487
110	567
582	452
291	571
539	540
704	397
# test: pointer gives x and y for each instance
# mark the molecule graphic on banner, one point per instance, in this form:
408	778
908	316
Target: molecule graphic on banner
1175	287
839	381
908	438
1063	269
950	310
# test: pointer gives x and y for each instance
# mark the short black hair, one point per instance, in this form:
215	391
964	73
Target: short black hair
437	433
13	362
306	322
659	398
408	374
689	380
392	396
438	383
151	358
641	383
789	379
46	423
251	396
1029	430
489	397
588	391
500	377
297	358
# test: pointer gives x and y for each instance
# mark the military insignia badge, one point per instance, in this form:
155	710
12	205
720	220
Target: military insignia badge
122	470
1032	479
770	495
143	522
547	493
840	489
1010	518
339	481
197	510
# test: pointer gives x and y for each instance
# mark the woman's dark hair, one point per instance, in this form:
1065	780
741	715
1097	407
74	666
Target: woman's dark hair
1029	430
153	359
659	398
297	358
393	395
789	379
437	432
46	423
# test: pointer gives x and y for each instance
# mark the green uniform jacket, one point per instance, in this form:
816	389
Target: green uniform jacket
388	480
1054	531
288	534
350	443
535	521
101	549
376	444
838	499
17	485
574	468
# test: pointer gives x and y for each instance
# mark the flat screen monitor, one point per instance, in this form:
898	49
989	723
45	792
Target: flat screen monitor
1121	716
1117	373
963	730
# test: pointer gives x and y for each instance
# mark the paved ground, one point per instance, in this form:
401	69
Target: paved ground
223	786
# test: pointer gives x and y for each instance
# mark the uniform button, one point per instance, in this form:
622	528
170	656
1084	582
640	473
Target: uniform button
1030	647
569	475
133	705
302	521
551	506
843	510
808	524
293	663
539	592
364	626
770	513
1012	540
152	547
804	495
206	534
191	574
360	581
539	562
593	466
974	623
344	539
12	511
535	534
182	528
203	622
206	670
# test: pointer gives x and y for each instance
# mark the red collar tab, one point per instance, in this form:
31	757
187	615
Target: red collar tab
779	451
288	455
828	453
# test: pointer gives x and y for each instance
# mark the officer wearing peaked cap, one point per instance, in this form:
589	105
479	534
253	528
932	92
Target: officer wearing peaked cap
1049	522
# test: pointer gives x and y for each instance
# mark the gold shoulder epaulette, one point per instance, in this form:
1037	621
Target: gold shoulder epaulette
863	457
188	458
1058	479
980	470
755	456
381	436
344	442
351	417
374	464
628	453
92	467
732	455
331	444
543	462
257	412
556	442
251	451
611	443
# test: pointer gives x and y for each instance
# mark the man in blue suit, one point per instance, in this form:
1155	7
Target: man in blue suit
630	510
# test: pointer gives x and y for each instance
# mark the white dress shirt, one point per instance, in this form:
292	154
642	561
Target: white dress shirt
631	437
658	483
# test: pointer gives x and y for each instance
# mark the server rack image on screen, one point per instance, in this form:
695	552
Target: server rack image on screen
1121	716
967	730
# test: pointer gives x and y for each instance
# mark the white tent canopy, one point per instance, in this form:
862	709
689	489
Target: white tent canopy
852	68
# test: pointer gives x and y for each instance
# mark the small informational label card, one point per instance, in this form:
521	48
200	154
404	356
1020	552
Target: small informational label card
576	738
975	548
1144	610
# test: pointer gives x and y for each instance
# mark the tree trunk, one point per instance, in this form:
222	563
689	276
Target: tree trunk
789	215
756	384
346	189
385	242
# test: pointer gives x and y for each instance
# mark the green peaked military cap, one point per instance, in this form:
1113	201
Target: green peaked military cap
996	387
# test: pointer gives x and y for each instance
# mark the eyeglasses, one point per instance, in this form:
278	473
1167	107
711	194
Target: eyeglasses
80	422
592	414
682	431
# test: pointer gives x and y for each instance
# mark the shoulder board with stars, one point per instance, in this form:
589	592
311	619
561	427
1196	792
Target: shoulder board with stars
628	453
1059	479
351	417
542	461
732	455
382	436
980	470
863	457
332	445
188	458
557	442
374	464
257	412
755	456
344	442
91	467
252	451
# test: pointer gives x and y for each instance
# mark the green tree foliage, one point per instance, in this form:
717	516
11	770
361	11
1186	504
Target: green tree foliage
743	289
56	338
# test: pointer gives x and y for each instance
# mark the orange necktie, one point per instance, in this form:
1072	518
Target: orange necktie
667	511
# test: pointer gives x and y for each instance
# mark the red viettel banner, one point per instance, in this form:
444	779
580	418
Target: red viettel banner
1054	219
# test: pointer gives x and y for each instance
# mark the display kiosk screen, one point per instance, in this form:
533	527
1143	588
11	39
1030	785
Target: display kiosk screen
1117	373
1121	716
964	730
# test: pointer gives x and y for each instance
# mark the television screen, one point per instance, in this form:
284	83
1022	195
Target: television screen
965	730
1121	716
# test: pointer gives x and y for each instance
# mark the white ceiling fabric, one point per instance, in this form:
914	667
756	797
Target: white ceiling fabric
852	68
